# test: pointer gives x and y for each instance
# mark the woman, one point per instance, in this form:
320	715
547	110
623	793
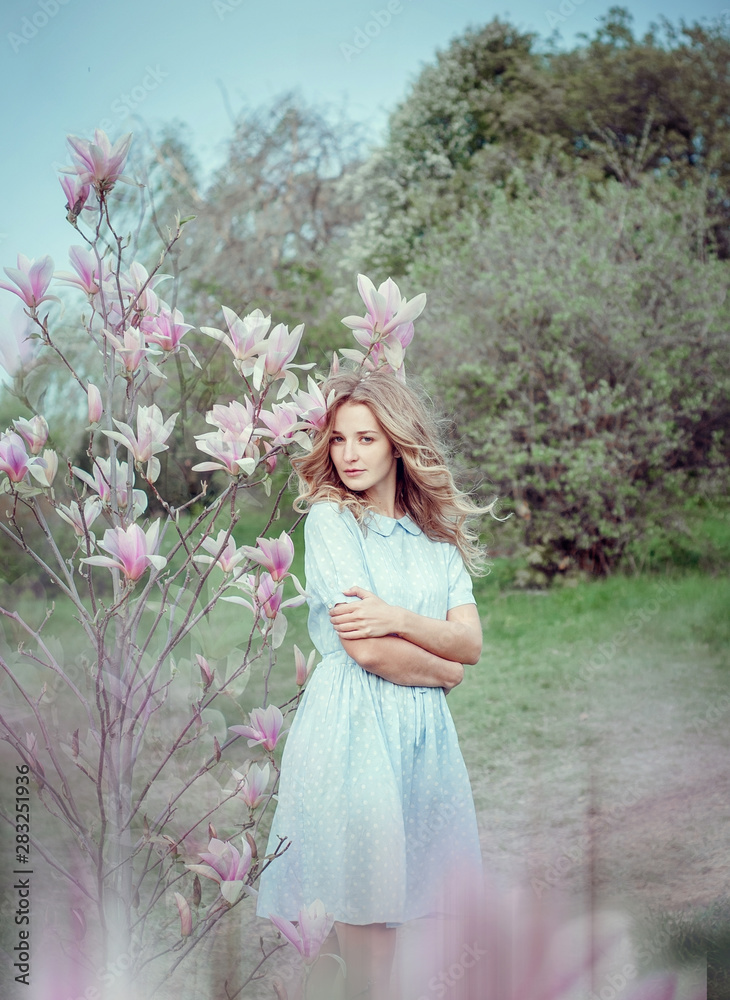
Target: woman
374	793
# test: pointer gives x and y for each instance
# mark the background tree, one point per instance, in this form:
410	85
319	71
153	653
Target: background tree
495	99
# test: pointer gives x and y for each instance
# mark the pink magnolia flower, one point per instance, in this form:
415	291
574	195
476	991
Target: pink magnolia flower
233	454
77	194
133	550
14	459
100	482
387	327
275	358
386	309
244	336
86	266
131	348
266	602
18	350
281	347
44	469
227	559
313	926
167	329
186	917
99	163
33	431
253	784
275	554
312	405
152	433
224	865
72	514
269	595
31	279
140	305
303	667
282	422
264	729
235	418
96	407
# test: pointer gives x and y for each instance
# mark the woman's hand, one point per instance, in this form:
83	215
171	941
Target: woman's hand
456	678
368	618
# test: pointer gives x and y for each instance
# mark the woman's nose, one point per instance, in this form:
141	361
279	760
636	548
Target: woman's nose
350	452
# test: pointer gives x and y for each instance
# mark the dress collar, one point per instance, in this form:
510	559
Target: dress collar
386	525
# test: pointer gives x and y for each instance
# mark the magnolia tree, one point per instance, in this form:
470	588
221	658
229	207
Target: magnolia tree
122	737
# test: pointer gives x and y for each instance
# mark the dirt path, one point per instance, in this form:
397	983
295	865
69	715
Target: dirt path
631	807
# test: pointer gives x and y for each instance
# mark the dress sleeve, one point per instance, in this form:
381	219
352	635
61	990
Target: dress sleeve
333	555
460	586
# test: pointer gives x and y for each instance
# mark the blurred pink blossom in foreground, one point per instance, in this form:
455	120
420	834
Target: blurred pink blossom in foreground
488	944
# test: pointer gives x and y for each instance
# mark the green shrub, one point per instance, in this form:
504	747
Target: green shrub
581	348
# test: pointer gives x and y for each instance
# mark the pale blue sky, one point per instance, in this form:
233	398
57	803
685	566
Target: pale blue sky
171	59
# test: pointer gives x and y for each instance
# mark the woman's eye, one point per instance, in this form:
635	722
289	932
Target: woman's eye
366	440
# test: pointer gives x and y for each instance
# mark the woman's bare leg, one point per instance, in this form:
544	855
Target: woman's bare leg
368	951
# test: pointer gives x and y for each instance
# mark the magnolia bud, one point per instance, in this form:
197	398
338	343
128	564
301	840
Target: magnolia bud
205	671
186	917
95	406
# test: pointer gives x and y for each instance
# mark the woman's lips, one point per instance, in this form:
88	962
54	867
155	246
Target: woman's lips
354	472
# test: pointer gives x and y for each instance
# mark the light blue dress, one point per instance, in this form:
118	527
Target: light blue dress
374	794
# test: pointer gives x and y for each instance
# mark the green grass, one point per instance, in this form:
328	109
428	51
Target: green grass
551	659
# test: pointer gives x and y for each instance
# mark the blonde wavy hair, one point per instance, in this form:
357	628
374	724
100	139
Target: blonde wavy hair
425	488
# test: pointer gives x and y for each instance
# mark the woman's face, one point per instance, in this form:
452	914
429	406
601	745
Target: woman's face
362	454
